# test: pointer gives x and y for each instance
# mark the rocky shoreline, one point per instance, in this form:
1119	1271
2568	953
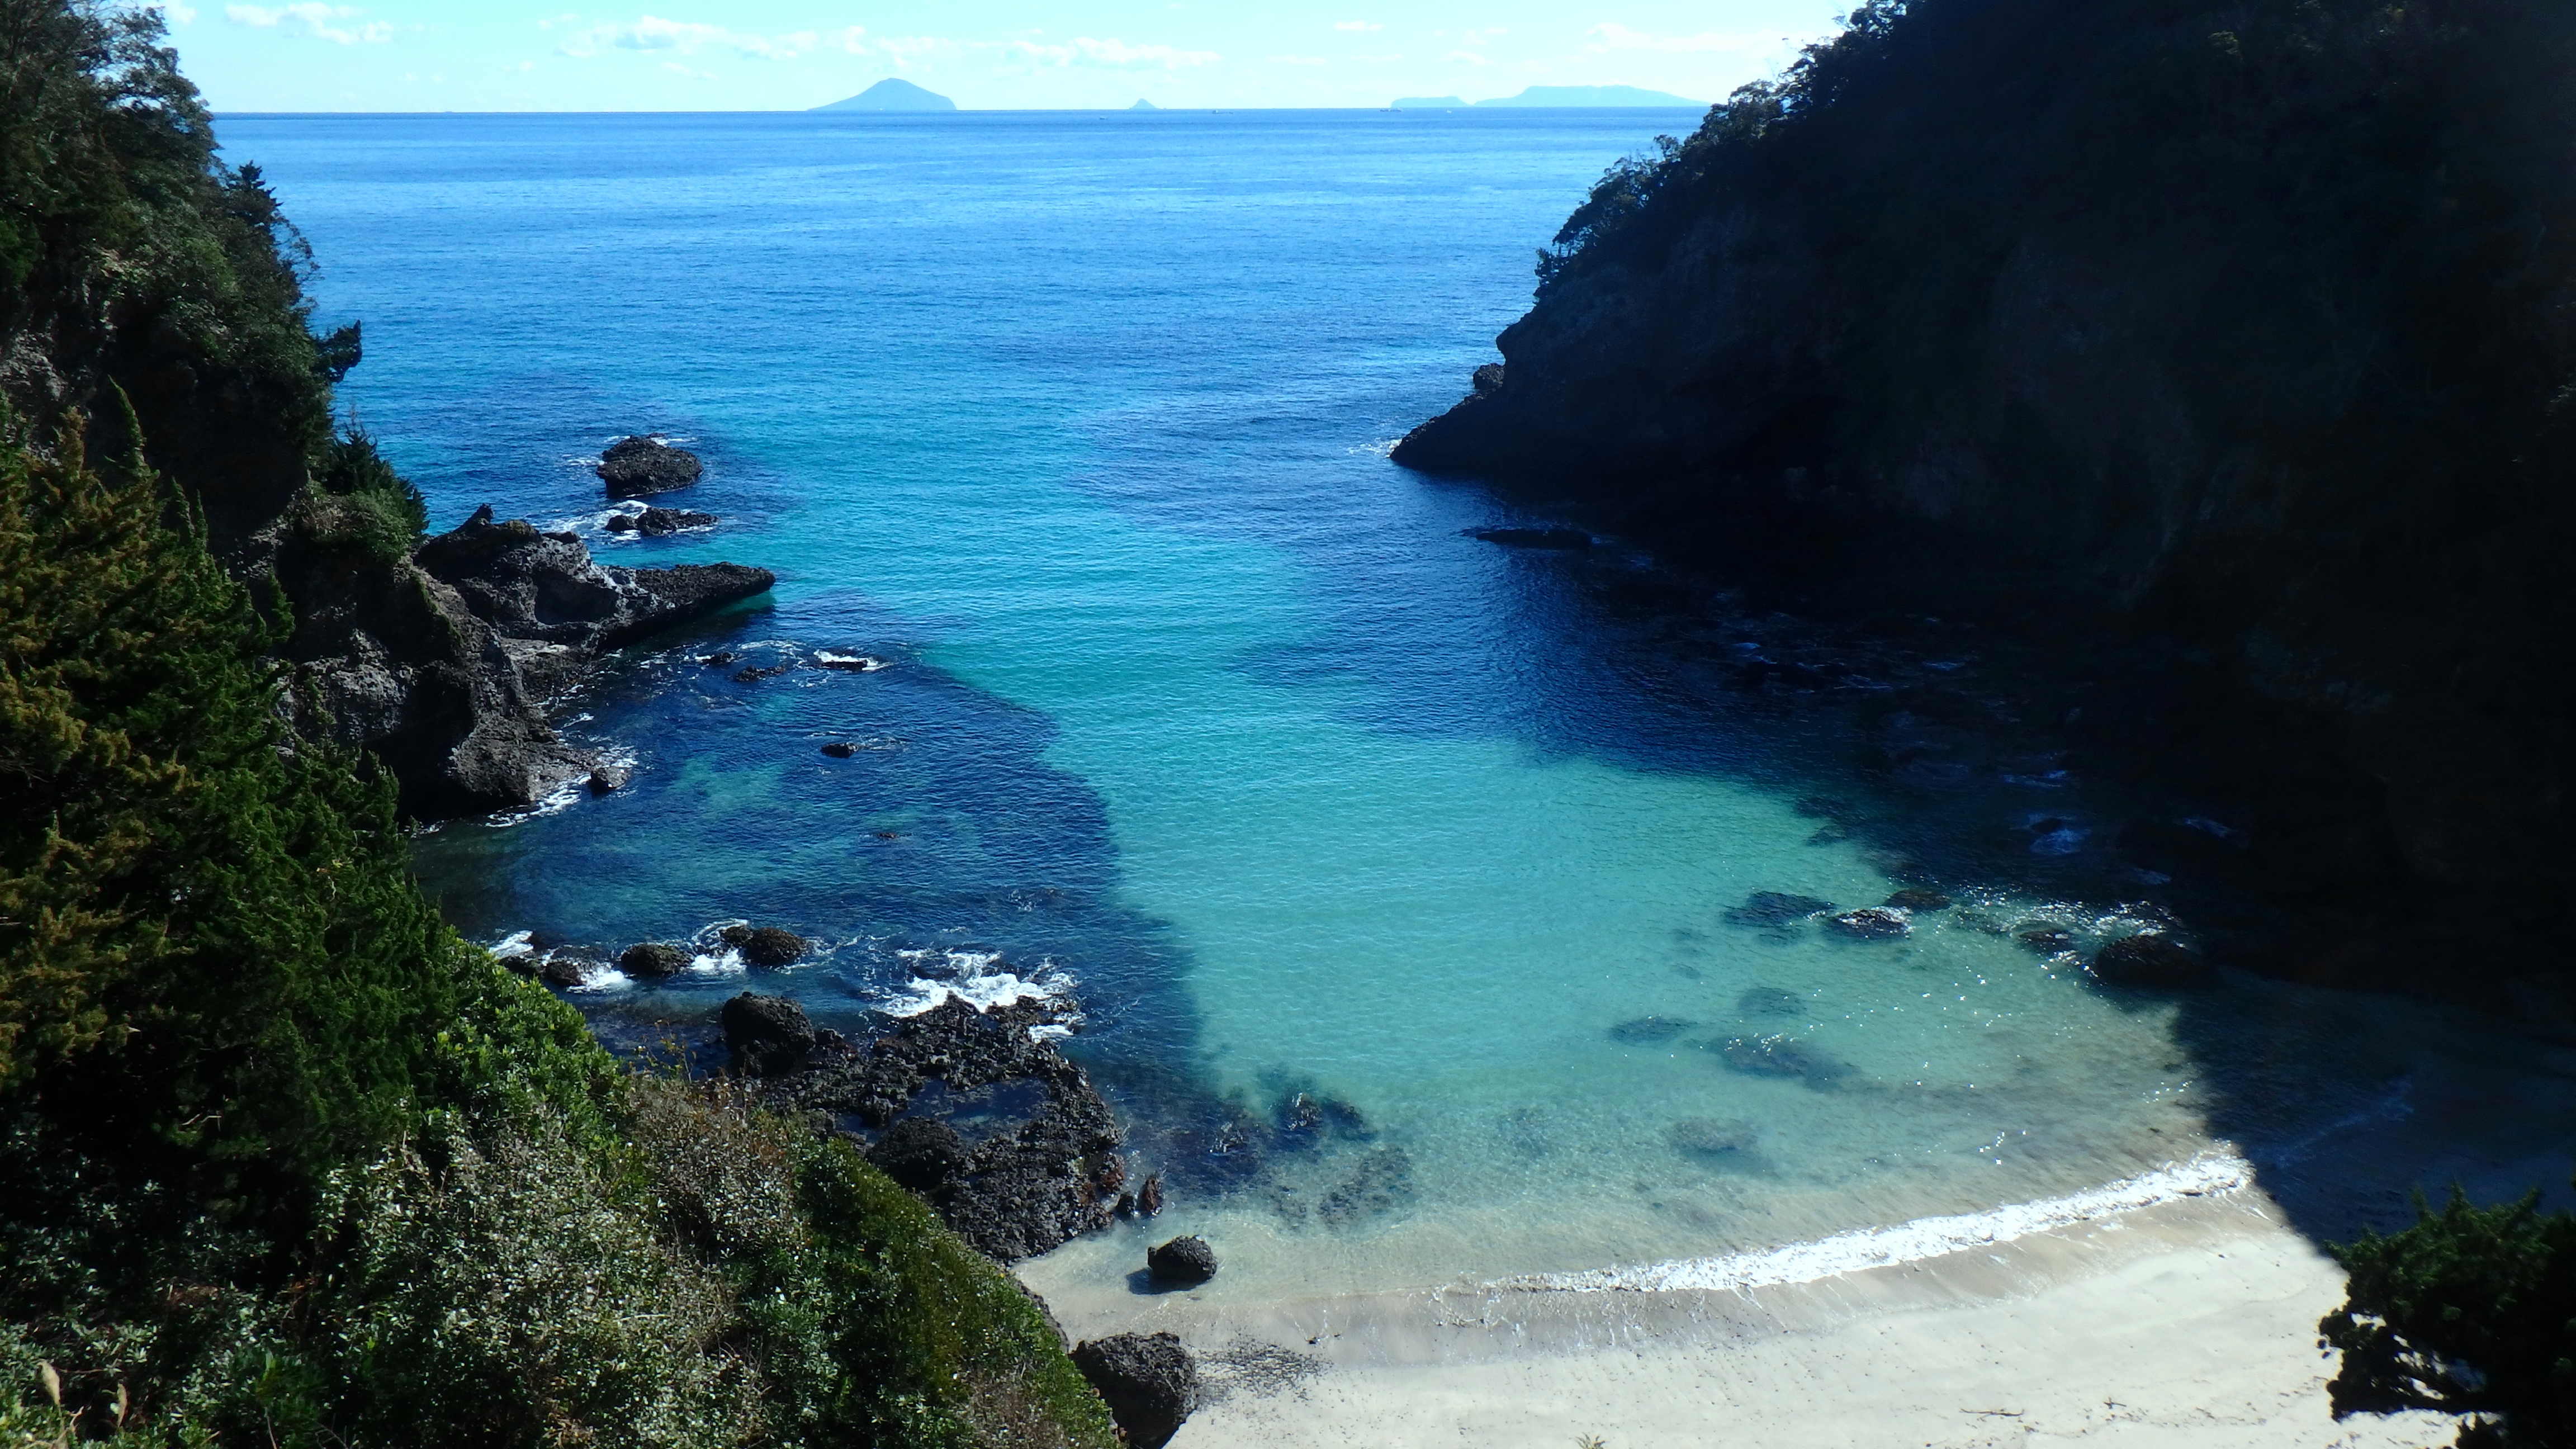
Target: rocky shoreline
442	663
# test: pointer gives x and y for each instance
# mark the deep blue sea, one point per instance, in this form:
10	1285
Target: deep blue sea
1195	705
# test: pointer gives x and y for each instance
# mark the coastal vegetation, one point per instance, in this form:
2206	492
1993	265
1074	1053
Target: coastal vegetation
283	1160
2471	1311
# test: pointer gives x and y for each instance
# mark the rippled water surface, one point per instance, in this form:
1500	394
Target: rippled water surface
1192	698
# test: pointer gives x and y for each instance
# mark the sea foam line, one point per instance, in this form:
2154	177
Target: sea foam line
2206	1175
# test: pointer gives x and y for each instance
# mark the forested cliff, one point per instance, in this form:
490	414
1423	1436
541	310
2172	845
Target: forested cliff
282	1160
2249	326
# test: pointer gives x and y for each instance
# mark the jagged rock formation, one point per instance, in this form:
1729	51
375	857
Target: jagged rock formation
2246	327
441	664
634	467
1022	1178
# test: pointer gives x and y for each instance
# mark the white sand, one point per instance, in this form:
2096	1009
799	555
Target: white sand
2185	1324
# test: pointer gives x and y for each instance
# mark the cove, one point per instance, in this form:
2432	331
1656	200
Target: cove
1197	702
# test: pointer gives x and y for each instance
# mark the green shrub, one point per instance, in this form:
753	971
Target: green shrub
2470	1311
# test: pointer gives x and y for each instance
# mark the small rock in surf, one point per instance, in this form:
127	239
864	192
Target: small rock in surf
840	749
1871	923
633	467
653	959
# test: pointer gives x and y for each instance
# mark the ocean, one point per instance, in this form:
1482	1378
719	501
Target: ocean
1195	706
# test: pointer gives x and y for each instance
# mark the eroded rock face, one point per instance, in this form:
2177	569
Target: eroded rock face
442	664
1148	1380
635	467
1033	1133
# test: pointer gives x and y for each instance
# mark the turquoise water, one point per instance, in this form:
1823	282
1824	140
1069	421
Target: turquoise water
1194	701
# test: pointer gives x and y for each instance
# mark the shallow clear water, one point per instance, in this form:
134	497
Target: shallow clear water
1193	698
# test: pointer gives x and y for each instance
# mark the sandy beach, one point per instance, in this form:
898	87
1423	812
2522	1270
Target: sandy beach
2182	1323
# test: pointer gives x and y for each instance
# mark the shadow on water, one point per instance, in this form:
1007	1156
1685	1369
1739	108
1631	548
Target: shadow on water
938	852
1954	758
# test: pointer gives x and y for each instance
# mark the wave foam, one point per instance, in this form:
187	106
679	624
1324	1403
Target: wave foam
978	979
2207	1175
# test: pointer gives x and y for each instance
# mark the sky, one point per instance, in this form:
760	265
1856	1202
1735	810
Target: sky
745	55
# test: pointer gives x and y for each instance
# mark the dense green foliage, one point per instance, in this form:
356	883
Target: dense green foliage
2471	1311
284	1162
2348	227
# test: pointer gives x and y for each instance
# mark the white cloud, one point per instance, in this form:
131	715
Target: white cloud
686	37
311	18
1468	56
1357	25
176	12
1605	39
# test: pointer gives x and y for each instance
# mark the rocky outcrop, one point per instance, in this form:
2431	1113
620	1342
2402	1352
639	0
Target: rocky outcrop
635	467
659	522
1148	1380
441	664
766	1034
2083	356
1014	1171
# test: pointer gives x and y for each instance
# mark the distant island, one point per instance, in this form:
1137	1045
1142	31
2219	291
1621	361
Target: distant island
1586	96
891	94
1143	104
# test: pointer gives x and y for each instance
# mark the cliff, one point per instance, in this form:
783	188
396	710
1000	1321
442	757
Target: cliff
2245	326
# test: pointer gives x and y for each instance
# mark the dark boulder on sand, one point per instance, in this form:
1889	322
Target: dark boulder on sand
653	959
1916	898
767	1034
634	467
1770	1001
1148	1380
1181	1263
2152	962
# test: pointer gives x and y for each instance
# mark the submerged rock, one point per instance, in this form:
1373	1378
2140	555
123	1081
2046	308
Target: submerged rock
1731	1138
1560	539
1647	1030
1380	1184
1770	1001
1780	1056
633	467
767	1034
2047	940
2152	962
1776	909
1916	898
651	960
1871	923
1148	1380
1183	1262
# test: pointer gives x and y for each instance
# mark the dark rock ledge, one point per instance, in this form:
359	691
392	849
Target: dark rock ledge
998	1131
442	664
